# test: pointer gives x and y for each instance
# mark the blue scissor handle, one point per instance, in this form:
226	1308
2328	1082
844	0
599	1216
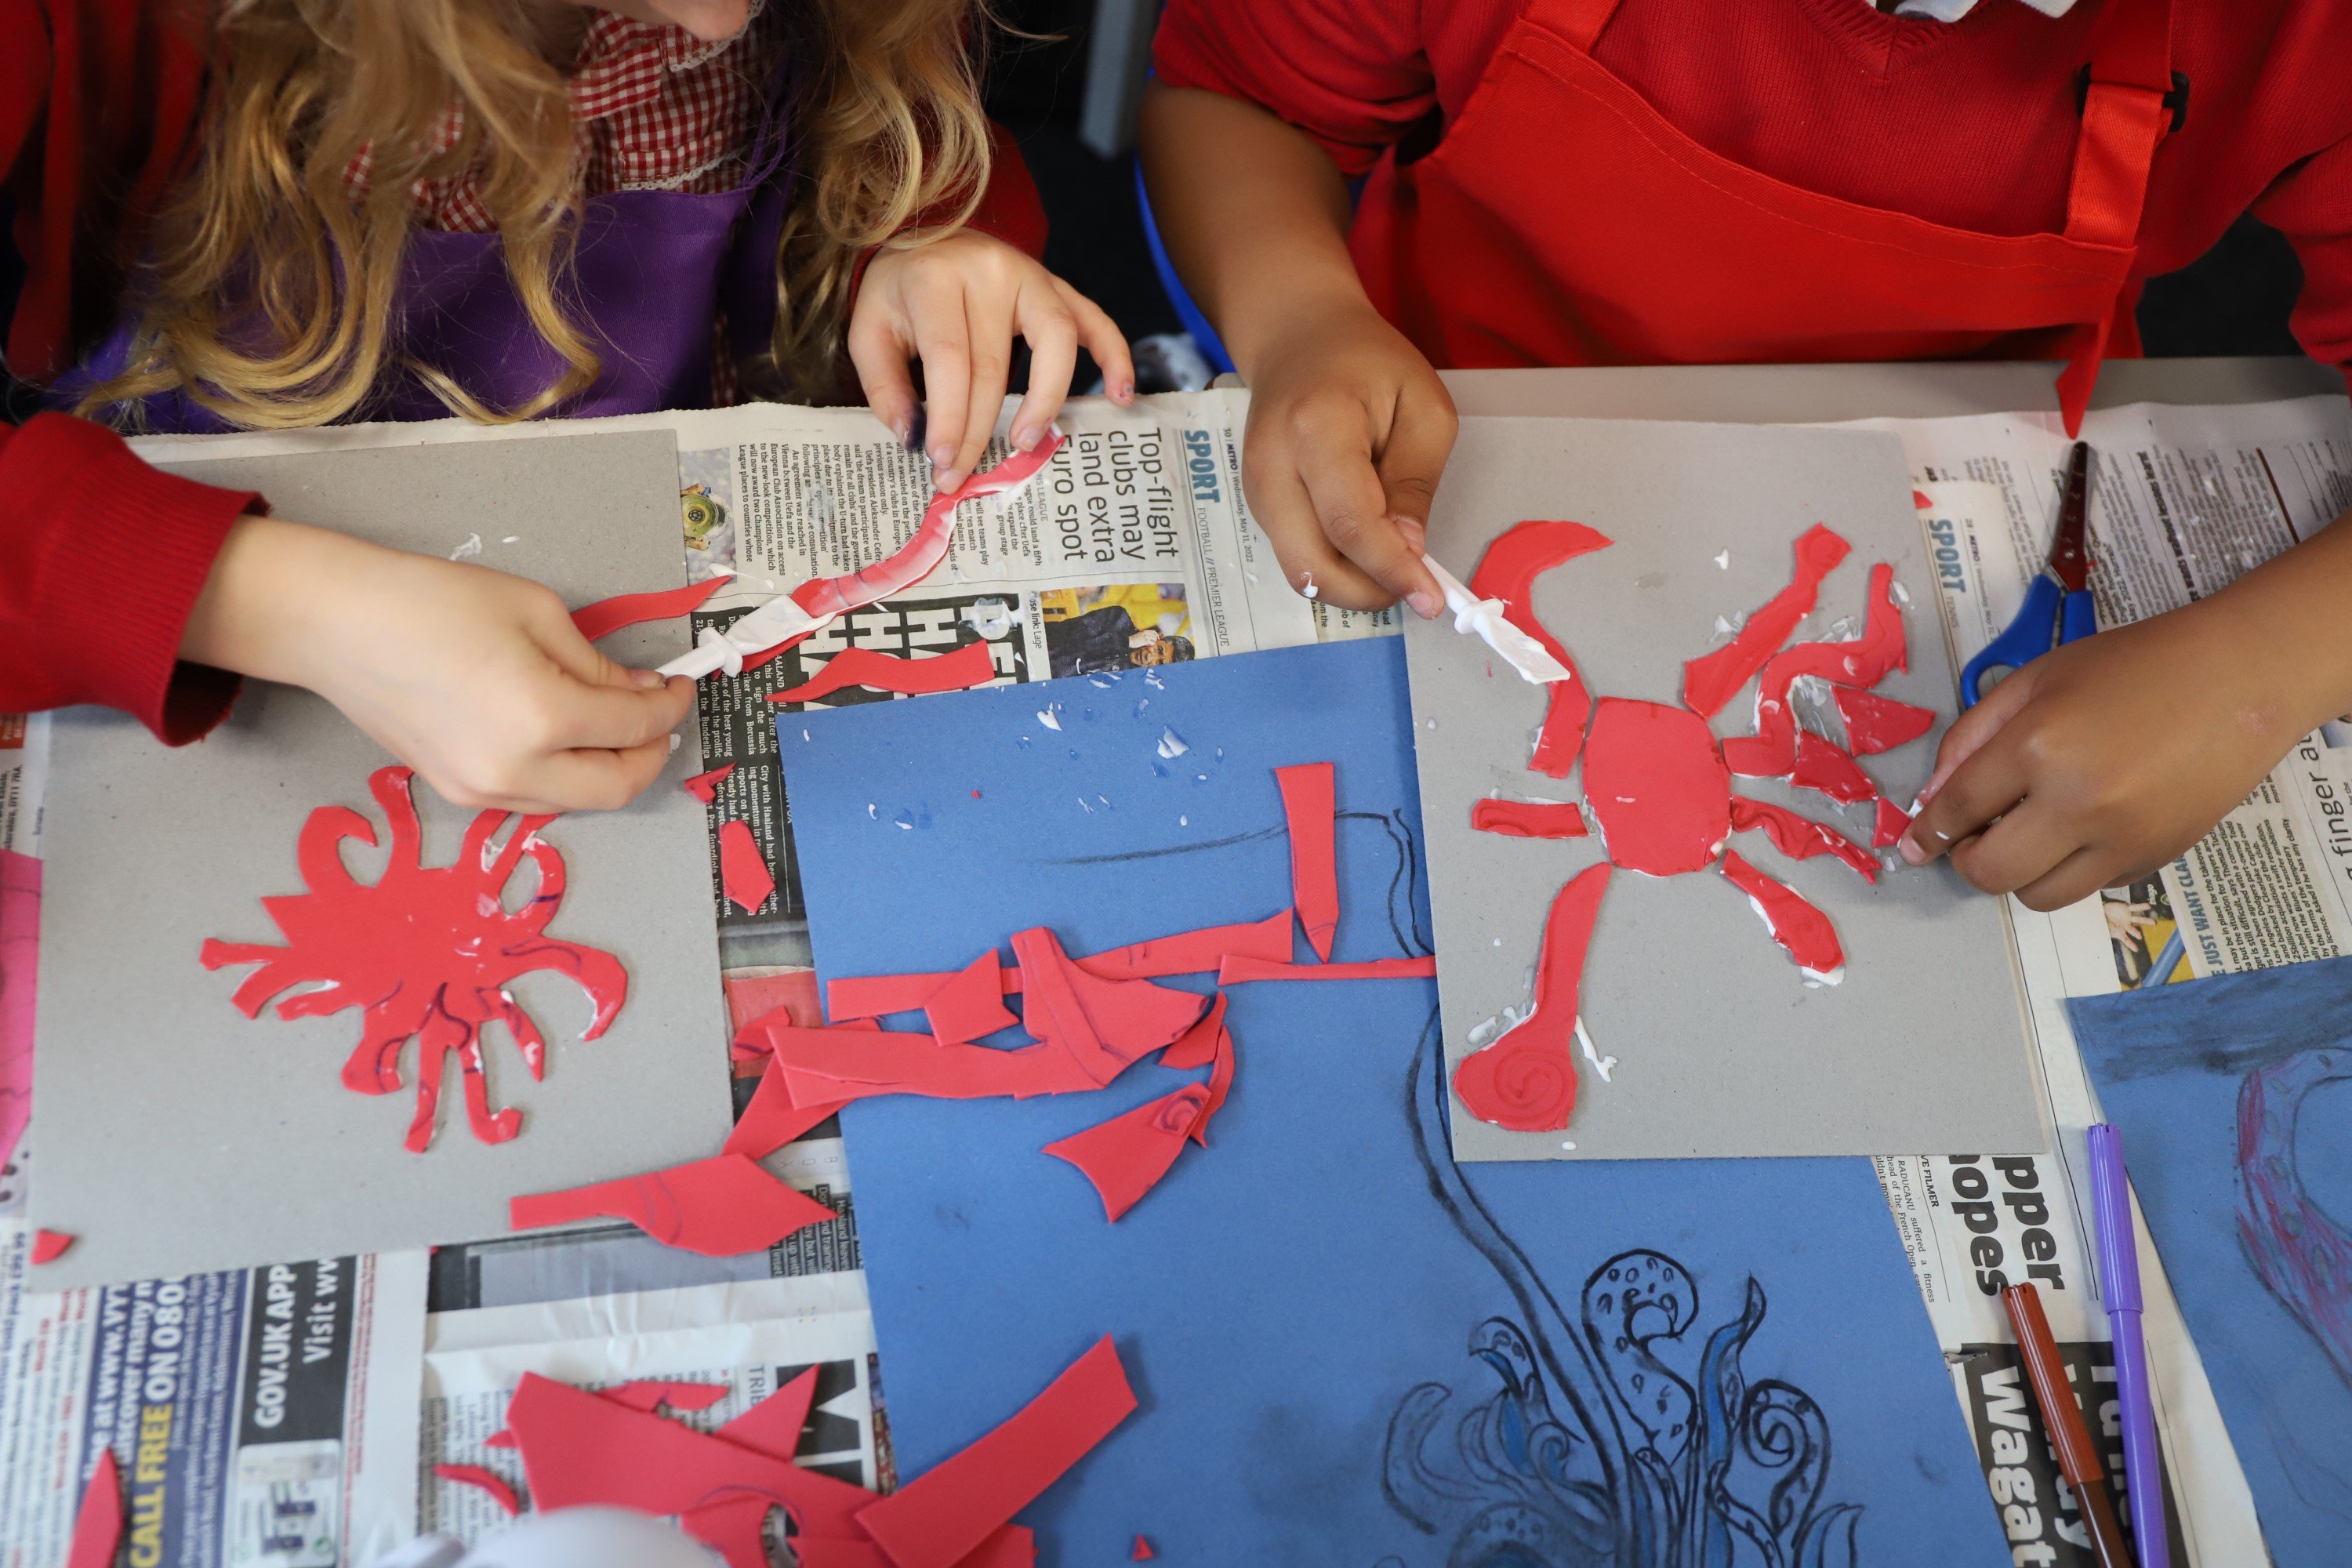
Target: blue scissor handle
2033	632
2079	619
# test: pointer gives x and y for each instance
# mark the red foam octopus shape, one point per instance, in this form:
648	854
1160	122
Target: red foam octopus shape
427	952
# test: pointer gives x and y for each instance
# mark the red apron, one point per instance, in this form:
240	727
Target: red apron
1638	245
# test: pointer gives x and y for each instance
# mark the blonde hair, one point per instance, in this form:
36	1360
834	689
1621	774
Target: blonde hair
270	298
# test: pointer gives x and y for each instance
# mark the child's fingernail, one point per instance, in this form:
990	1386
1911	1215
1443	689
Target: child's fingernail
1424	604
948	479
905	432
1126	391
1024	438
1416	533
1909	848
646	679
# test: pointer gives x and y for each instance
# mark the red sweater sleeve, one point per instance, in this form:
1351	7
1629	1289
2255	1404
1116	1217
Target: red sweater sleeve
1354	76
2312	205
101	559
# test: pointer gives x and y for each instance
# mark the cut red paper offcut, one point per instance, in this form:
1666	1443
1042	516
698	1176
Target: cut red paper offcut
1142	1553
48	1246
1127	1156
1712	678
426	952
97	1520
1875	723
704	787
719	1207
1795	924
1525	1079
969	665
1892	820
1102	1025
1310	807
743	869
1529	818
1799	837
772	1120
606	616
970	1003
483	1480
1241	971
1508	572
938	1517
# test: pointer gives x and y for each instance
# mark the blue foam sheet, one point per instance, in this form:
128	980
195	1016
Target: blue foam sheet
1348	1349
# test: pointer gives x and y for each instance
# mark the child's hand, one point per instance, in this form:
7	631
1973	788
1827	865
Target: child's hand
1348	430
476	679
2103	760
958	303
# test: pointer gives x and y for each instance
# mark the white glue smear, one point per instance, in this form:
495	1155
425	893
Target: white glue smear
512	539
1813	977
1307	588
1084	807
1723	561
873	812
991	618
1045	717
1601	1064
1902	595
467	551
1171	744
1485	617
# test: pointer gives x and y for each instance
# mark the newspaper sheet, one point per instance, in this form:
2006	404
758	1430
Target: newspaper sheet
2184	501
23	772
263	1419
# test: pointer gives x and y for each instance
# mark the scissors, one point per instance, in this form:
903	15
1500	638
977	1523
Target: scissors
2058	607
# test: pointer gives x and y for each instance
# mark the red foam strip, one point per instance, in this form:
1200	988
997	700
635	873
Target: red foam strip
1011	1547
1220	1084
970	1003
1241	971
1865	660
581	1451
1104	1025
1197	1047
652	1393
743	869
1712	678
855	1064
1875	723
1127	1156
1529	818
1799	837
1508	572
969	665
1184	952
1795	924
704	787
1658	786
1142	1553
719	1207
1892	820
774	1426
771	1120
940	1516
48	1246
98	1519
1825	767
1311	807
606	616
923	552
489	1481
1525	1079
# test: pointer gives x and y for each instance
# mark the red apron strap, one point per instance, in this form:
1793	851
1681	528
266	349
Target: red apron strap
2123	117
1577	21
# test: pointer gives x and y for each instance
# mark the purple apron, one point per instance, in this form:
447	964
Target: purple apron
650	273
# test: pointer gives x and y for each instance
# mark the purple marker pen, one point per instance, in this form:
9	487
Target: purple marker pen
2119	1288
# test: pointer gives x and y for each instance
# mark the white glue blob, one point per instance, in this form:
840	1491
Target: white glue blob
467	551
1171	744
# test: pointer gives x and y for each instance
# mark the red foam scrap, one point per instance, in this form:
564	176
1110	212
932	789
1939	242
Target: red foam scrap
771	1120
1892	820
1529	818
970	1003
1220	1084
1184	952
1826	766
1865	660
938	1519
1104	1025
1310	807
1656	783
1508	572
704	787
721	1207
969	665
1142	1553
483	1480
652	1393
1875	723
606	616
1525	1079
735	1526
1241	971
1197	1047
1799	837
1712	678
743	869
1796	925
48	1246
581	1451
1011	1547
774	1426
822	1064
1127	1156
98	1519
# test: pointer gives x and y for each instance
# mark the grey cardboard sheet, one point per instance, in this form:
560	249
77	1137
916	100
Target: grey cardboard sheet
1721	1049
177	1135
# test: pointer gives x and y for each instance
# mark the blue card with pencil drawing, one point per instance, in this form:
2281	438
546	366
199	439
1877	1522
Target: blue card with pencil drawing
1348	1349
2234	1098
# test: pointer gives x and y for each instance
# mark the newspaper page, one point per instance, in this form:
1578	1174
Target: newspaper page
2184	499
265	1419
24	773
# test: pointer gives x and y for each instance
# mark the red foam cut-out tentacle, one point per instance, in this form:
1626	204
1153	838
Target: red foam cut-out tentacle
1863	660
938	1519
922	552
775	1425
1127	1156
317	849
1712	678
1197	1047
1221	1085
1794	923
1799	837
704	787
1875	723
1656	783
98	1519
1525	1079
771	1120
742	870
435	1041
482	1480
1241	971
48	1246
1824	766
374	1065
1529	818
971	665
1310	807
719	1207
489	1126
394	791
548	896
606	616
1508	572
1892	820
837	1064
502	1006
